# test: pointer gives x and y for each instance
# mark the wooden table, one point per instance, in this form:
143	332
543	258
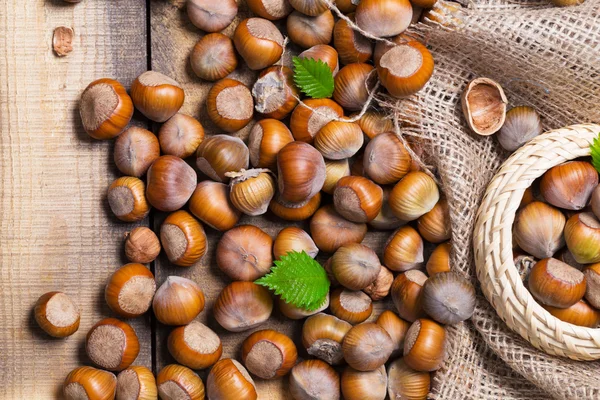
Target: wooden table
57	231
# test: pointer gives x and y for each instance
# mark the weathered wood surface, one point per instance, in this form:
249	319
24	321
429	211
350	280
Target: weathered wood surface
56	232
173	37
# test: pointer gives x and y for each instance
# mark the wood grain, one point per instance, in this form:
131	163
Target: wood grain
173	37
56	232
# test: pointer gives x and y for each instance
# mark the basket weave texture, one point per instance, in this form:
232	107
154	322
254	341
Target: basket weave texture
500	280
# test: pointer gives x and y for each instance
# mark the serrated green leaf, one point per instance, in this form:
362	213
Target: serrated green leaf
595	153
299	280
313	77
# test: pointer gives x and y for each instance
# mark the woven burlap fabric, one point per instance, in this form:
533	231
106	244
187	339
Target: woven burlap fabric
543	56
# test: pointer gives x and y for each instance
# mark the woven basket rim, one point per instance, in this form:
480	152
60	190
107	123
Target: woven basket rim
492	241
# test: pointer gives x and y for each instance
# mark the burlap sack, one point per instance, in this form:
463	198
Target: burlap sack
546	57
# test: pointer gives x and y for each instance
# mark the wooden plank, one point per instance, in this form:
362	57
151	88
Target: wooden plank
56	229
173	37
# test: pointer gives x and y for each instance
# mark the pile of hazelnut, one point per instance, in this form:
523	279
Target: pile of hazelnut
557	234
303	160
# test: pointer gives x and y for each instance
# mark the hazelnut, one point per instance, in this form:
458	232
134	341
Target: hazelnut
141	245
157	96
135	150
56	314
180	136
112	344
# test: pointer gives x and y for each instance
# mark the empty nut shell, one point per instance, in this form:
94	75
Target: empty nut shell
380	288
275	94
484	106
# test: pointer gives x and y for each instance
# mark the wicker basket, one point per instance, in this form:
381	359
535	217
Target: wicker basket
492	240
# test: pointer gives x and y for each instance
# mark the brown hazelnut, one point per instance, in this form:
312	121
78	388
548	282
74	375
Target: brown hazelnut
141	245
135	150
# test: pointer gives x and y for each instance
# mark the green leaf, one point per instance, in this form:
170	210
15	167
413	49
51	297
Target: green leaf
595	153
299	280
313	77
